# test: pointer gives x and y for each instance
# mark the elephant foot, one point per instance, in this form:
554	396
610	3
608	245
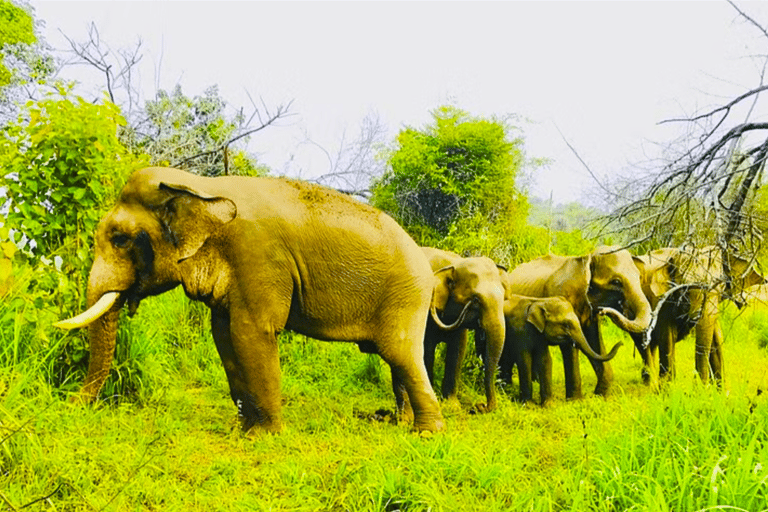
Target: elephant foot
603	389
429	425
253	430
481	409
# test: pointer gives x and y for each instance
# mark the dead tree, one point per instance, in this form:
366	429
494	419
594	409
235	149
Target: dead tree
703	194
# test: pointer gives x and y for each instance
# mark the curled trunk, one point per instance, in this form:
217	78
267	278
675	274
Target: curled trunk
584	347
459	321
642	308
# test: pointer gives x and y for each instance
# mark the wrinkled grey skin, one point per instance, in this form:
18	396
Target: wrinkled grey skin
533	324
469	290
266	254
692	308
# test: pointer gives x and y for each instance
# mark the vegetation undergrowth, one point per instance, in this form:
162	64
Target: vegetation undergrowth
173	442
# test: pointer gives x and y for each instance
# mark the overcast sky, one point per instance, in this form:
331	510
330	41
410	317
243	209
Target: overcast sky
604	73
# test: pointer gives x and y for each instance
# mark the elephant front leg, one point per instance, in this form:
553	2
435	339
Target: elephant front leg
716	353
603	370
454	357
666	339
257	367
525	375
542	360
431	338
649	353
572	372
705	331
223	340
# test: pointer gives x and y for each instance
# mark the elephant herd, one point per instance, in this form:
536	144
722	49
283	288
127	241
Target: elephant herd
270	254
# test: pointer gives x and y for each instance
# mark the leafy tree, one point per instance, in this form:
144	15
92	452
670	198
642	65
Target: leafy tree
61	164
23	57
452	185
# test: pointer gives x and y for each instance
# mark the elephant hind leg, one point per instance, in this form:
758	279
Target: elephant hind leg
716	354
409	377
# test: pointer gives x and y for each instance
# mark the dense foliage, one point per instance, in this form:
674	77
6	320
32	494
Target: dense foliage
452	185
62	163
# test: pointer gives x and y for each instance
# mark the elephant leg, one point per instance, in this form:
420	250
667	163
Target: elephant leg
705	329
223	340
257	364
506	362
572	372
402	401
649	374
524	373
667	339
410	381
603	369
716	353
454	357
542	361
431	337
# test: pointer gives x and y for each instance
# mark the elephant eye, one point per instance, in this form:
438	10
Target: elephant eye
617	282
120	240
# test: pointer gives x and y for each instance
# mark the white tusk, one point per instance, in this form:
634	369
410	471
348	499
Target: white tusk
86	317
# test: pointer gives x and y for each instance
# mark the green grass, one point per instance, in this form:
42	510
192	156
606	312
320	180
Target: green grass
167	438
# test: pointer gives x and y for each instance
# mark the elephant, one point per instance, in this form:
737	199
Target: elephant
264	254
469	292
532	325
692	283
604	282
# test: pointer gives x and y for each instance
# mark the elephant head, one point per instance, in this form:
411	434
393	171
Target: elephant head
470	292
616	289
556	320
471	287
740	274
665	268
141	245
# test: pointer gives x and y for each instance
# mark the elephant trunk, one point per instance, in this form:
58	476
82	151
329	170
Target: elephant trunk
642	309
584	347
101	318
459	321
102	334
493	323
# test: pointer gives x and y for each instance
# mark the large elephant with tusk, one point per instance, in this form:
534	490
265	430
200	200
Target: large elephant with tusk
265	254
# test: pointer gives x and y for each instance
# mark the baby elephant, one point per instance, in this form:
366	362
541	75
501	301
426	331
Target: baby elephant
533	324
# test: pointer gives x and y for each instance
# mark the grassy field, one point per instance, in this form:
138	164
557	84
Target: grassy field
174	443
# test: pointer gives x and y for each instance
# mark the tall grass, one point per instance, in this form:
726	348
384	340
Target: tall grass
166	436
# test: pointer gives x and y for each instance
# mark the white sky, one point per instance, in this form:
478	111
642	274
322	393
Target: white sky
605	73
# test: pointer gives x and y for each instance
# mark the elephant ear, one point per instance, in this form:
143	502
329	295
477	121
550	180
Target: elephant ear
536	315
573	283
444	284
743	272
189	217
741	275
659	266
506	282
